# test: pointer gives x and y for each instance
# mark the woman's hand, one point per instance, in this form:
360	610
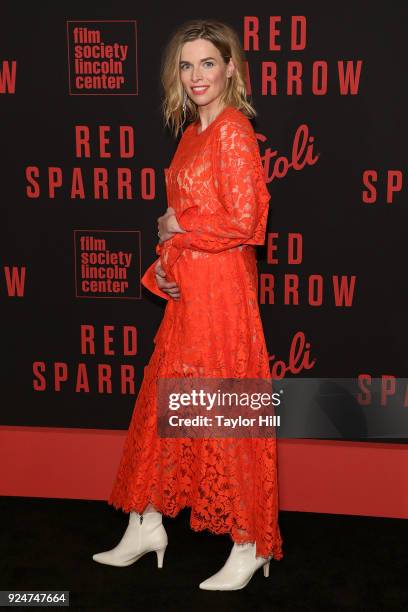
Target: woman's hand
168	287
168	225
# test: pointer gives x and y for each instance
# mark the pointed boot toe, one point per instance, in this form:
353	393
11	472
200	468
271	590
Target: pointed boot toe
213	583
237	570
102	557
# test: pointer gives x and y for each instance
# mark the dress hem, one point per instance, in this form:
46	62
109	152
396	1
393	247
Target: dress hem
276	553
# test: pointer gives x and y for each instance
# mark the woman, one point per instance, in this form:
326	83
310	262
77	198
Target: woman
206	270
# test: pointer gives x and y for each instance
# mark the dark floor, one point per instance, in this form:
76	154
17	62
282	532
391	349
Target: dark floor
331	562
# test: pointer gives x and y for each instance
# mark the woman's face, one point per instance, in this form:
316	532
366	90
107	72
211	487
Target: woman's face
203	72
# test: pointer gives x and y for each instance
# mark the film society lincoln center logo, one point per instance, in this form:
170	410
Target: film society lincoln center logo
107	264
102	58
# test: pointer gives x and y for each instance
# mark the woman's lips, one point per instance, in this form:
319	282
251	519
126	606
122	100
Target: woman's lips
200	90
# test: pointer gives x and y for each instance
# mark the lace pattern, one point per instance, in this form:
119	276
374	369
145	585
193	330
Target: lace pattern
215	183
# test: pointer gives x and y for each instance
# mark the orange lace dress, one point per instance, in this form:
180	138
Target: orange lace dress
216	185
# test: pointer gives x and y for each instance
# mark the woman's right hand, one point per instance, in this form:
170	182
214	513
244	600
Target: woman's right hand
171	288
168	225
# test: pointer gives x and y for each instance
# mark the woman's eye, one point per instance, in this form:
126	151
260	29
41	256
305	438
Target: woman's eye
208	64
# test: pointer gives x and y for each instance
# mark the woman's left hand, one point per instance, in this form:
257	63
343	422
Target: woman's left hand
168	225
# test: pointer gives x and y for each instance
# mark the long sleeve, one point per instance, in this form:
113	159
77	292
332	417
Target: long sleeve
241	193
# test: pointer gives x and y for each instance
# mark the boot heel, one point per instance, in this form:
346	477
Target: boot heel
266	569
160	555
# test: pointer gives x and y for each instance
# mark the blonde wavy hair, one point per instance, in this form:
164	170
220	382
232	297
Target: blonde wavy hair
226	40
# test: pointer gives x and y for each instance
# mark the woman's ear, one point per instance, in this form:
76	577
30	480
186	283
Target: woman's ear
230	68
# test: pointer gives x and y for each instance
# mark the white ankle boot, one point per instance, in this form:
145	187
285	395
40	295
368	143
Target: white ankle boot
144	533
237	570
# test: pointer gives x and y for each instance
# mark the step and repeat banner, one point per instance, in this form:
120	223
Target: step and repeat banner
83	159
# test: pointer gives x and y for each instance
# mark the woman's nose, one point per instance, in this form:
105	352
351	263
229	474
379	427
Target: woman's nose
196	73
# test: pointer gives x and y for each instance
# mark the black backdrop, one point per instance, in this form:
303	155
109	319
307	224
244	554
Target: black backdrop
324	204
